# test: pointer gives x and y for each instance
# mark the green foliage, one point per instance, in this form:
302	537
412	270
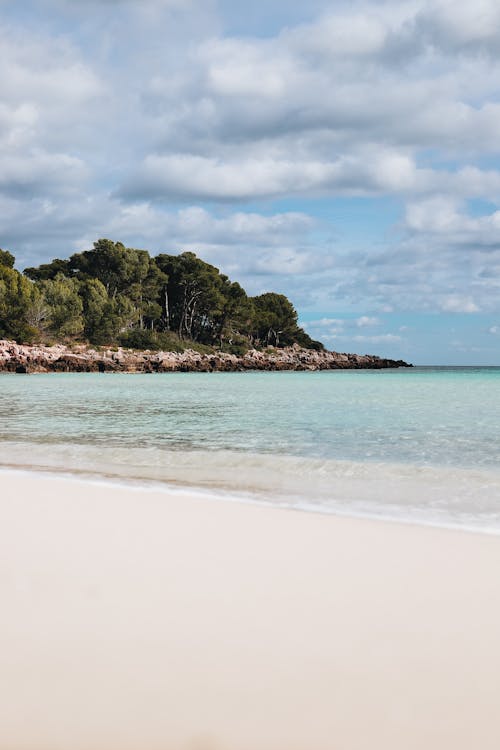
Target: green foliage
48	270
115	294
238	346
64	305
170	342
303	339
275	319
129	277
153	340
18	297
103	317
139	339
192	296
96	312
6	259
116	266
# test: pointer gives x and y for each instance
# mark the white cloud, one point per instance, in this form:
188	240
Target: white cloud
459	304
40	171
303	112
337	35
445	218
371	172
340	334
383	338
196	224
461	26
326	322
150	123
46	94
367	322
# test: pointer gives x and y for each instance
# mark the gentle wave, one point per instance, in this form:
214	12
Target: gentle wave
442	496
414	445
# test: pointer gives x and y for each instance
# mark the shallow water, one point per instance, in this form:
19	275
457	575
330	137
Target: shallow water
417	445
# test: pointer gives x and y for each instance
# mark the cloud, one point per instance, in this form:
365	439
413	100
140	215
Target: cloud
349	159
460	27
346	327
445	220
322	108
382	338
326	323
249	246
195	224
342	333
40	172
200	177
459	304
46	92
367	322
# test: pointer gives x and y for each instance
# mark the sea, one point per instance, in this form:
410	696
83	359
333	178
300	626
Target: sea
418	445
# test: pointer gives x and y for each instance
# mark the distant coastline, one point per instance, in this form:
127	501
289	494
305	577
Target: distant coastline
118	309
21	358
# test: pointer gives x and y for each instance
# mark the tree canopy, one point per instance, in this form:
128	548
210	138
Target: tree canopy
115	294
6	259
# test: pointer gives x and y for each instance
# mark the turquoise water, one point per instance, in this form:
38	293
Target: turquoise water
418	445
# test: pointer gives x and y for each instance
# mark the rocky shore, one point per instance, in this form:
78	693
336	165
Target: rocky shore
21	358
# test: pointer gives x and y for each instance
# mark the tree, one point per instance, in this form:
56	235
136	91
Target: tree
17	297
275	322
275	319
123	271
112	293
236	312
117	267
193	296
48	270
146	294
7	259
104	318
64	304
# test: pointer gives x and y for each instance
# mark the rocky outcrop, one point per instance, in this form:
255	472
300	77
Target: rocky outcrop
21	358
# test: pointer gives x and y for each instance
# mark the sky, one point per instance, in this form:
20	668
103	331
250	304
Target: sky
344	154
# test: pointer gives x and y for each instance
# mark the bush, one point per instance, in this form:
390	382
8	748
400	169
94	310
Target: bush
303	339
139	339
238	346
165	341
27	334
169	342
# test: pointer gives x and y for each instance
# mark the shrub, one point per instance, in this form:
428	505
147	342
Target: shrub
139	339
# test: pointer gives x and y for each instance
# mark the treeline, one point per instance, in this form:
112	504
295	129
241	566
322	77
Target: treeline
114	294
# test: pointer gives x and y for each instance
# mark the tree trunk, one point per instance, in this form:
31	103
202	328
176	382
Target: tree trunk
167	310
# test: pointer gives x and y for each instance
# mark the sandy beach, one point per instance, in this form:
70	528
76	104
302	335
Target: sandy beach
149	620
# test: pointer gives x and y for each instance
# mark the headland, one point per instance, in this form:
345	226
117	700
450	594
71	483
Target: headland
21	358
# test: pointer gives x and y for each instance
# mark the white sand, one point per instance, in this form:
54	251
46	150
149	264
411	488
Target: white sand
136	620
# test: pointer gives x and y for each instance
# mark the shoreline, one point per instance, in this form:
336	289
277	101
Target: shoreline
27	359
180	489
138	619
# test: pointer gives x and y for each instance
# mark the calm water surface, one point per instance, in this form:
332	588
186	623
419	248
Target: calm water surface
417	445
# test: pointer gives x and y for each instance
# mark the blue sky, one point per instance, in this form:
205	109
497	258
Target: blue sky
345	154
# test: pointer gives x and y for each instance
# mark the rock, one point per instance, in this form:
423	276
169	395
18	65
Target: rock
21	358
